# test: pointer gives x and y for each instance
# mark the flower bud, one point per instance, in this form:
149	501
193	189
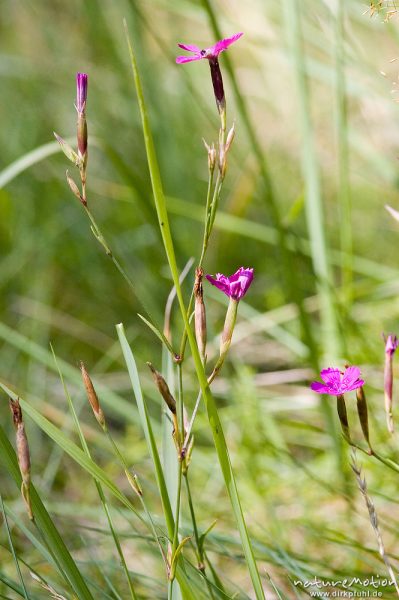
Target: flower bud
199	313
211	156
92	396
163	389
391	343
81	99
22	453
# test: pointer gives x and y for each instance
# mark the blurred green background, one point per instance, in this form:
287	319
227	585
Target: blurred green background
305	128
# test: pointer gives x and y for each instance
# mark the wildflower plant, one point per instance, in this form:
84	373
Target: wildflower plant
235	287
181	541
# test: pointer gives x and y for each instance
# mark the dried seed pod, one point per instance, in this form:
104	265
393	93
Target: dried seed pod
92	396
163	389
23	454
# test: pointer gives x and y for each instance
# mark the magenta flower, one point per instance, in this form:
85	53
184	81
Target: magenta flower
209	53
81	92
337	383
235	286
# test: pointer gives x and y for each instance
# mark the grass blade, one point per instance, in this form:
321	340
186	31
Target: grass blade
14	555
45	524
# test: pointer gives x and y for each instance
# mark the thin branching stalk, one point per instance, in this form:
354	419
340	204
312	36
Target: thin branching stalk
213	415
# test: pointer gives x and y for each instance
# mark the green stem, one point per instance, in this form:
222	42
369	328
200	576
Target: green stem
125	467
180	413
200	549
213	415
210	213
288	268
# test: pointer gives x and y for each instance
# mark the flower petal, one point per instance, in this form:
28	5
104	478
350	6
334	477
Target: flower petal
332	377
185	59
220	282
351	379
190	47
320	388
224	44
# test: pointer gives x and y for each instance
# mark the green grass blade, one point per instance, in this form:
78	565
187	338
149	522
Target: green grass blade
97	484
115	402
217	431
71	449
14	555
45	524
147	428
186	581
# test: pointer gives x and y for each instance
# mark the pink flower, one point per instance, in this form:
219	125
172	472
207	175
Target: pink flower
235	286
337	383
209	53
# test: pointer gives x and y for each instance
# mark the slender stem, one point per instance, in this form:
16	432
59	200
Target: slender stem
213	415
210	213
125	467
200	549
180	413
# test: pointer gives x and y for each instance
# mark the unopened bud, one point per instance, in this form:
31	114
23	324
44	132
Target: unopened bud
199	313
163	389
391	344
92	396
343	417
22	453
81	99
363	414
211	150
